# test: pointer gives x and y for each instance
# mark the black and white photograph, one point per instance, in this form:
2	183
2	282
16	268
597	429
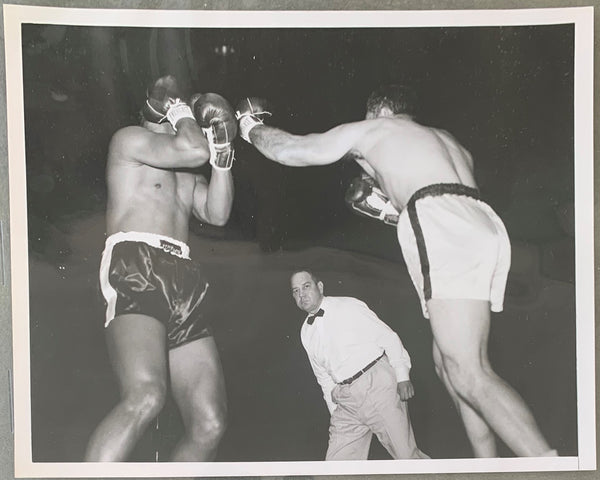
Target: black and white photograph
301	242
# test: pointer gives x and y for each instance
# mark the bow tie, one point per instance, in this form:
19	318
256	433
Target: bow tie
311	318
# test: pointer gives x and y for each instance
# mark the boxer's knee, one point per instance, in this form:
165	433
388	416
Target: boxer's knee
145	400
468	378
209	427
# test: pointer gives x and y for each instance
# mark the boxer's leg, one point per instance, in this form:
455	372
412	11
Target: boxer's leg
480	435
137	350
199	391
460	329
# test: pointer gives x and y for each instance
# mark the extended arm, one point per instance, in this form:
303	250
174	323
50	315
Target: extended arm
296	150
306	150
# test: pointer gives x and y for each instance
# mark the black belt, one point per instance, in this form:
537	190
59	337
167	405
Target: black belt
360	372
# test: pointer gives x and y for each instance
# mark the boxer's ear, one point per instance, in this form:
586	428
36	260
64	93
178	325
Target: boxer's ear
385	112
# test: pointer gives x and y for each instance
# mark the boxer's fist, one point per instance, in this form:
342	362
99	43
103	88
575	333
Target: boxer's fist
366	198
359	189
217	119
163	102
250	112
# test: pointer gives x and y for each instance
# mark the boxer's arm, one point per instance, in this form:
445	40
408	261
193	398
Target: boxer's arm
307	150
188	148
212	201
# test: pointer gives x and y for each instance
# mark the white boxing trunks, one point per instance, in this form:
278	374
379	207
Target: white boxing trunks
454	245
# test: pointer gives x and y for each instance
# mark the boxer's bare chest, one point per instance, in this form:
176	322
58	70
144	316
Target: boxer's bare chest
169	183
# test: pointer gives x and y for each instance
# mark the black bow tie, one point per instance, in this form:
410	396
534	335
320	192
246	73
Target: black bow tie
311	318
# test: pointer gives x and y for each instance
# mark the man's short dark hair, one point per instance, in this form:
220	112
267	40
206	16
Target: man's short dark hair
398	98
315	277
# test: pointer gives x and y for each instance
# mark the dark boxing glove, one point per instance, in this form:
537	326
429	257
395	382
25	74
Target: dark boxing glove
250	112
366	198
217	119
163	102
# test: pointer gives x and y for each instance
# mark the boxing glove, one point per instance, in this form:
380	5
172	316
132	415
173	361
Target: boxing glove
366	198
217	119
163	102
250	112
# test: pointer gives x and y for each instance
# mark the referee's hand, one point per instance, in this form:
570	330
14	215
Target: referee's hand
406	390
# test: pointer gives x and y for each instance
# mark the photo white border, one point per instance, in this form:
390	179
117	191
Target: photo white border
582	17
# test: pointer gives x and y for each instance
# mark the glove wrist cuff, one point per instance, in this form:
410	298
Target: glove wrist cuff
247	123
222	159
222	155
178	111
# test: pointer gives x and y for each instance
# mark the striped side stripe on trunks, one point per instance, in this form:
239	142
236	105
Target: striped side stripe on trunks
431	191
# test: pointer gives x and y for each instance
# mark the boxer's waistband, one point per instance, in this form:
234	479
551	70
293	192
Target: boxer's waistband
168	244
437	189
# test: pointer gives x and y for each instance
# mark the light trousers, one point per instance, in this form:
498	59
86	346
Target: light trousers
371	405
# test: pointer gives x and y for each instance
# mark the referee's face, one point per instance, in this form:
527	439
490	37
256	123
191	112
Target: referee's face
307	294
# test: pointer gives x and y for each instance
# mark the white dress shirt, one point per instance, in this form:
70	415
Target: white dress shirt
346	339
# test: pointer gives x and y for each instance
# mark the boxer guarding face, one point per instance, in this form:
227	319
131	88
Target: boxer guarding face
155	327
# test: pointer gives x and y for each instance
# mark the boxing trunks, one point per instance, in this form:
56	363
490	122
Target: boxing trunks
454	245
152	275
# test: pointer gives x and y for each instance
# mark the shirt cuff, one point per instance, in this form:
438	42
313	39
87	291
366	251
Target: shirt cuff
402	373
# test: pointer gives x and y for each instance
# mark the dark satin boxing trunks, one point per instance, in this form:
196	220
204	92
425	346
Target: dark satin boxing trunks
153	275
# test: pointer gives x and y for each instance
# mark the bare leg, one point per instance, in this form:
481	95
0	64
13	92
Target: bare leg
136	346
199	391
460	329
480	435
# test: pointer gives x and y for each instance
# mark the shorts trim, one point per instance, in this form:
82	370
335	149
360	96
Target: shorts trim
168	244
434	190
421	248
438	189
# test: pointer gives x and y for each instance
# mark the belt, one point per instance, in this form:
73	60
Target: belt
360	372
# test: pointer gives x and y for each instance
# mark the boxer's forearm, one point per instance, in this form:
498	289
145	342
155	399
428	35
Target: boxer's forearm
212	203
219	199
280	146
307	150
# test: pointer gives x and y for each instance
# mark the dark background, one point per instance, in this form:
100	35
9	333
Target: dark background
505	92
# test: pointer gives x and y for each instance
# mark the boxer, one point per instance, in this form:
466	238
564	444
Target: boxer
455	246
156	329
